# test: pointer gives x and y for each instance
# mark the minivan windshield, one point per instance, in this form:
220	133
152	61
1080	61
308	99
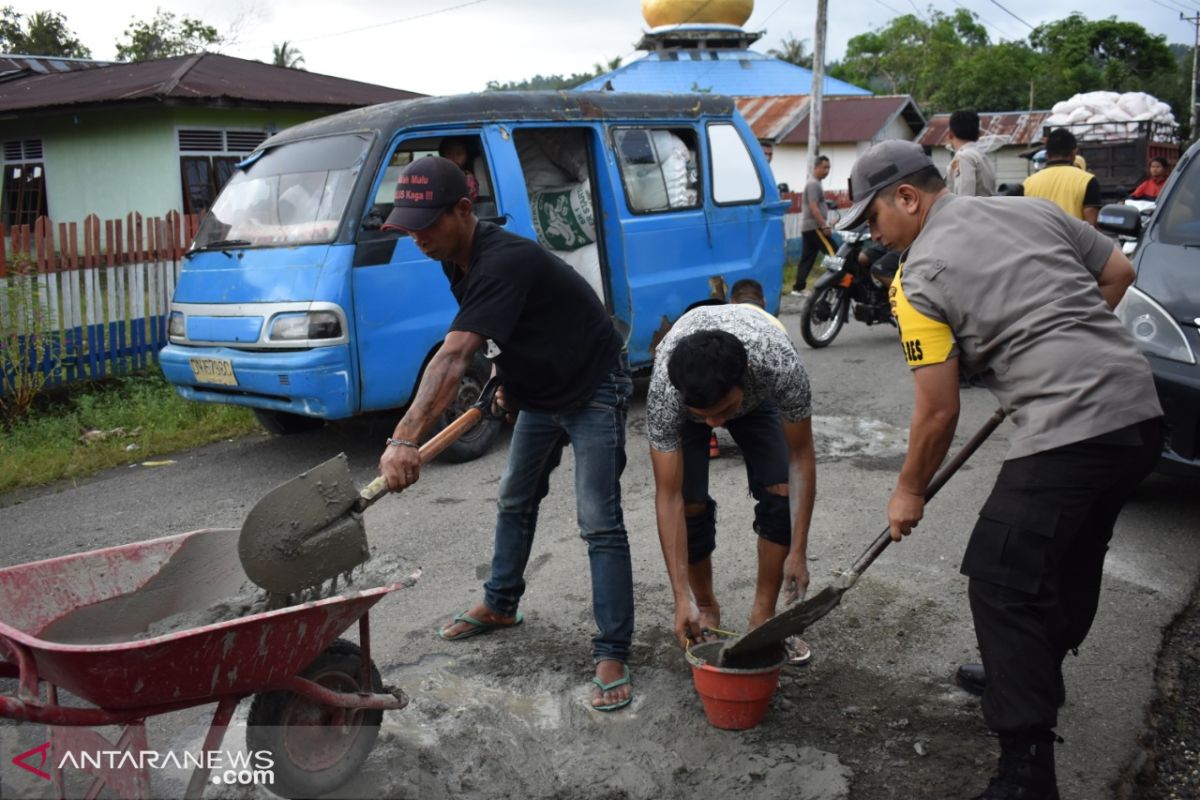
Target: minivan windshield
292	194
1179	222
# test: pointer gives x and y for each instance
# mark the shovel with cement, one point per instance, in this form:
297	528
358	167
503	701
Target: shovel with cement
794	620
309	530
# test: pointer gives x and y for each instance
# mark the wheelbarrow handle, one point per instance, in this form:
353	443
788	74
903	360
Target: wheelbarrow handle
444	438
939	480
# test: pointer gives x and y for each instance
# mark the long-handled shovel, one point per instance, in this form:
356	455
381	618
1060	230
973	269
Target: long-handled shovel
309	530
794	620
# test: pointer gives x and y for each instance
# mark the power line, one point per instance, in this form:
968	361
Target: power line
985	20
893	9
1161	4
1011	14
377	25
768	16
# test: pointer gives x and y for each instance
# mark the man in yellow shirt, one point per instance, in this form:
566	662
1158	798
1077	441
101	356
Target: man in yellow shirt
1072	189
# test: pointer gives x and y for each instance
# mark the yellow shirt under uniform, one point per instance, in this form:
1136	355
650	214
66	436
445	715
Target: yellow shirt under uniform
1065	185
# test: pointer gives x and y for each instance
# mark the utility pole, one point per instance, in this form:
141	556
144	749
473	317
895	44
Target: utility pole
1195	50
817	93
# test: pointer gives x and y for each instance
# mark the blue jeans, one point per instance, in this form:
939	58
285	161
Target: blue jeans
596	433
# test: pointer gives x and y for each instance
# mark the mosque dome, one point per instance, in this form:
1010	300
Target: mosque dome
683	12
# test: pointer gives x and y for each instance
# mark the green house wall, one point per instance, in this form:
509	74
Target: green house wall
112	163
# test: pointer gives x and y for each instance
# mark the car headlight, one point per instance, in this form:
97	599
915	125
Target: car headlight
1152	327
310	325
176	326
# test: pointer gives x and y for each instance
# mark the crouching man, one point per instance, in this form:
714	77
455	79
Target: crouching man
731	366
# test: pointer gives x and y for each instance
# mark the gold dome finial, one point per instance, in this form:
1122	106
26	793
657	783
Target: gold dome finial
682	12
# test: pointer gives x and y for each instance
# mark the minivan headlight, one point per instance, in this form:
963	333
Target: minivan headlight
1152	327
311	325
176	326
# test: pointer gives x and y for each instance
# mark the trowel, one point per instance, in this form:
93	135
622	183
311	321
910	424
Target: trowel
794	620
309	530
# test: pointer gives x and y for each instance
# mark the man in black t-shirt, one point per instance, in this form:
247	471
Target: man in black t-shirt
562	365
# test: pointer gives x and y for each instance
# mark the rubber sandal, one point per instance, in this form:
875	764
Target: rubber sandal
477	626
798	651
624	680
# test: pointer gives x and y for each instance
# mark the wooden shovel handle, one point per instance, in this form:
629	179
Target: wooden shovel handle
429	451
939	480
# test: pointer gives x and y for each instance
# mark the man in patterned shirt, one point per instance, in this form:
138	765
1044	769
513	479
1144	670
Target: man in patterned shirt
731	366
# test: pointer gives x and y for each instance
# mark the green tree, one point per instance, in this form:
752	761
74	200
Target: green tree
1082	55
43	33
165	36
911	55
793	51
995	78
284	55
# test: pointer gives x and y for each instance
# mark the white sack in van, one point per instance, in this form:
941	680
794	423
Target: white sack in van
563	218
586	261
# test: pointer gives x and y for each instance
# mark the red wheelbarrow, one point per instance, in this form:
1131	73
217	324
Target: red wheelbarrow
71	623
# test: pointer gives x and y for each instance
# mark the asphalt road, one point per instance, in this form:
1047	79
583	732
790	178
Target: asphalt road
905	625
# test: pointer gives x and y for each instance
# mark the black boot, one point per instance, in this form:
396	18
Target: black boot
1026	769
971	678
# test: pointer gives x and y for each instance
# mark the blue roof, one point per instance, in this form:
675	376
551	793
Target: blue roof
731	72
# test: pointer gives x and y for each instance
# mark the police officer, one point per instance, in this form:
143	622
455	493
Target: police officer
1031	315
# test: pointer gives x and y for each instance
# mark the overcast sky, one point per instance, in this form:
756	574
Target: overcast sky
451	46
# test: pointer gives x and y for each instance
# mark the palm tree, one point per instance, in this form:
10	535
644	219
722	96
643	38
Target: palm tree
287	56
793	51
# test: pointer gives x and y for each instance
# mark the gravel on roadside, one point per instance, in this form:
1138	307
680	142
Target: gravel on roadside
1168	764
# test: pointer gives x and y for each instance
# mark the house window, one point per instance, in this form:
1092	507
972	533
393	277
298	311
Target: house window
207	158
23	193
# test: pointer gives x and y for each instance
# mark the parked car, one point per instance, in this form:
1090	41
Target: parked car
1162	308
295	302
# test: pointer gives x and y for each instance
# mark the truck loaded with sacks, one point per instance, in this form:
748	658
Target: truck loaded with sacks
1118	134
294	301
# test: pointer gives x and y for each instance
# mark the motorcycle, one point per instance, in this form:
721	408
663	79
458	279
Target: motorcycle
846	289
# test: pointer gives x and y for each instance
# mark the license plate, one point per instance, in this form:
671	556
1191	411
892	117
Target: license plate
214	370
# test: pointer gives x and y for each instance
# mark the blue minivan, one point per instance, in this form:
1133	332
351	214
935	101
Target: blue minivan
293	301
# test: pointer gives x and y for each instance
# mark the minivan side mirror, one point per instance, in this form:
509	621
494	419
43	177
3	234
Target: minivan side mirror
1120	219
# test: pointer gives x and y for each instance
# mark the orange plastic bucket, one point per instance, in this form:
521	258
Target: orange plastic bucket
735	699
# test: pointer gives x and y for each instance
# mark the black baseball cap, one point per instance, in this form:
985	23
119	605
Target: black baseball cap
879	167
425	189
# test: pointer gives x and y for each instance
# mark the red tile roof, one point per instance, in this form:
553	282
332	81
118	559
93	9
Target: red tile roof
202	78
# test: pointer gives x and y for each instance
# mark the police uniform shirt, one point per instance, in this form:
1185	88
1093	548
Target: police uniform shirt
971	173
1008	285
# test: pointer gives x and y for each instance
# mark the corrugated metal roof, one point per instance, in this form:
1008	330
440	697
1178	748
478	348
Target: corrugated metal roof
772	117
46	64
735	72
1020	127
854	119
200	77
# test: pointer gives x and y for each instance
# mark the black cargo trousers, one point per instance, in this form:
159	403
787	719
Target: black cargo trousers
1035	562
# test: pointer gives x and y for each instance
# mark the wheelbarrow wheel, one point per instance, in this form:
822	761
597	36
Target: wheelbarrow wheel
316	748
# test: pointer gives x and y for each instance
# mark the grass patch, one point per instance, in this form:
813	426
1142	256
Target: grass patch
789	273
49	442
